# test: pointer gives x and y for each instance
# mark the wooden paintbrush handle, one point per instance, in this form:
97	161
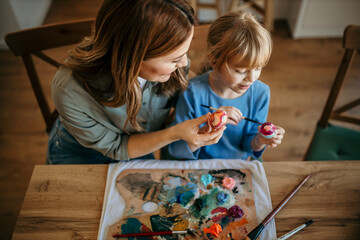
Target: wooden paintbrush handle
284	201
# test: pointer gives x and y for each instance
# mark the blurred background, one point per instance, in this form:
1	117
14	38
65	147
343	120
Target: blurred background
307	52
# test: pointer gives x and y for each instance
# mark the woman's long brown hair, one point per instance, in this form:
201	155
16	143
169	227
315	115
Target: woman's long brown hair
125	33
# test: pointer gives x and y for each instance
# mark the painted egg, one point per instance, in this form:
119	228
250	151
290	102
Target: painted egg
267	130
218	119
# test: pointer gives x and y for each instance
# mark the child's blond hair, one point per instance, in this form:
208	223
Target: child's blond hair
238	39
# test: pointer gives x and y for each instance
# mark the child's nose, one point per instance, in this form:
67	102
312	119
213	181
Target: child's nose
251	76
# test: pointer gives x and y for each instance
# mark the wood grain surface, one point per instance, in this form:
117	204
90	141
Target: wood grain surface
299	73
65	202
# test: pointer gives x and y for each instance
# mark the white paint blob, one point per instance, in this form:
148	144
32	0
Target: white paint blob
150	206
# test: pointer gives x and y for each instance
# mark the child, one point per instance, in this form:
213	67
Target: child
238	48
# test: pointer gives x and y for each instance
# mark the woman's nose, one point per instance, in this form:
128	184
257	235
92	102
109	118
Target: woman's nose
183	62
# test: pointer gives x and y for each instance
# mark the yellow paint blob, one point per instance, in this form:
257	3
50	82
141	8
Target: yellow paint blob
180	224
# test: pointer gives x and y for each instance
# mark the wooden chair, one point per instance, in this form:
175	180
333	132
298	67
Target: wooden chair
31	42
198	50
264	7
197	4
330	141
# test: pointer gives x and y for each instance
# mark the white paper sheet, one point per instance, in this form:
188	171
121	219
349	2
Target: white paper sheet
114	204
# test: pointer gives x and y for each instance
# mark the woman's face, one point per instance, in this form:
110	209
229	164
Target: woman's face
159	69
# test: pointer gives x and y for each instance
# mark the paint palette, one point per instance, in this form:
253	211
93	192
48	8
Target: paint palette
173	199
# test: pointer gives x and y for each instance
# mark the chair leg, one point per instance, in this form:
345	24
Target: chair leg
269	15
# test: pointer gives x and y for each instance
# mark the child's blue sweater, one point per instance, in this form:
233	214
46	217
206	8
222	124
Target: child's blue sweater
236	140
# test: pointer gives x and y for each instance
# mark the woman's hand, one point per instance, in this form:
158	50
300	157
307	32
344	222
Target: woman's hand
234	114
197	137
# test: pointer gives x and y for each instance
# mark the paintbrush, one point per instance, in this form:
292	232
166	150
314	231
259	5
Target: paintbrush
245	118
162	233
256	232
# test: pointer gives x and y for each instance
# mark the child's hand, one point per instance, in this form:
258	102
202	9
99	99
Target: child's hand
234	114
274	141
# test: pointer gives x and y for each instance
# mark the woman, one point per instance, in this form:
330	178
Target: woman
117	86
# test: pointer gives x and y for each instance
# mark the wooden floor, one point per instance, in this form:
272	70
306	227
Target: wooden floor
299	74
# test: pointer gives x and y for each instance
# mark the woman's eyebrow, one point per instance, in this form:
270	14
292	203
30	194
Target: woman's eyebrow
180	56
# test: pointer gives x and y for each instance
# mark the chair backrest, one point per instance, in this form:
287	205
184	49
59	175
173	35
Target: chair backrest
28	42
263	7
198	4
332	142
198	50
351	44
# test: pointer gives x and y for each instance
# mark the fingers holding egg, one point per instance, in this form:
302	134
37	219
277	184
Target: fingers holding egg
218	119
234	114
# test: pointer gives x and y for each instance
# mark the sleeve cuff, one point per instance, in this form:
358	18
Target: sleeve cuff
180	150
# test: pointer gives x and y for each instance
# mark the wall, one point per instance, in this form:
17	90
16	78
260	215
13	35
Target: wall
20	14
307	18
323	18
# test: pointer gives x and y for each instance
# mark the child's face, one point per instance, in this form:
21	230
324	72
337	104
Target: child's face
234	81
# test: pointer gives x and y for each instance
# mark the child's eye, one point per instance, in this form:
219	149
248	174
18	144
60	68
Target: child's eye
240	71
177	60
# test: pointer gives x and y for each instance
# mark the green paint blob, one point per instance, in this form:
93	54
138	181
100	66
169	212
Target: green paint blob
132	225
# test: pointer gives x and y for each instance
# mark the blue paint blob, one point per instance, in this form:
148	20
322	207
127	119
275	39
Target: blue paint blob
184	194
206	179
186	197
222	197
180	194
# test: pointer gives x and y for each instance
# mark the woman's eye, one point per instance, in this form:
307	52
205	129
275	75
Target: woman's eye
177	60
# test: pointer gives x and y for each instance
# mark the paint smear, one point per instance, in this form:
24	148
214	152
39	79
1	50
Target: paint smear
180	194
211	203
150	206
160	223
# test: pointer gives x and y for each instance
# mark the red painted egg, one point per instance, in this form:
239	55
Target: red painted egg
218	119
267	130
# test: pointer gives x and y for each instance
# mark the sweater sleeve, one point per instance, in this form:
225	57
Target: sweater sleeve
184	111
76	109
261	103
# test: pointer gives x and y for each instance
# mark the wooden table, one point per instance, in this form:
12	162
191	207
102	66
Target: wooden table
65	202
